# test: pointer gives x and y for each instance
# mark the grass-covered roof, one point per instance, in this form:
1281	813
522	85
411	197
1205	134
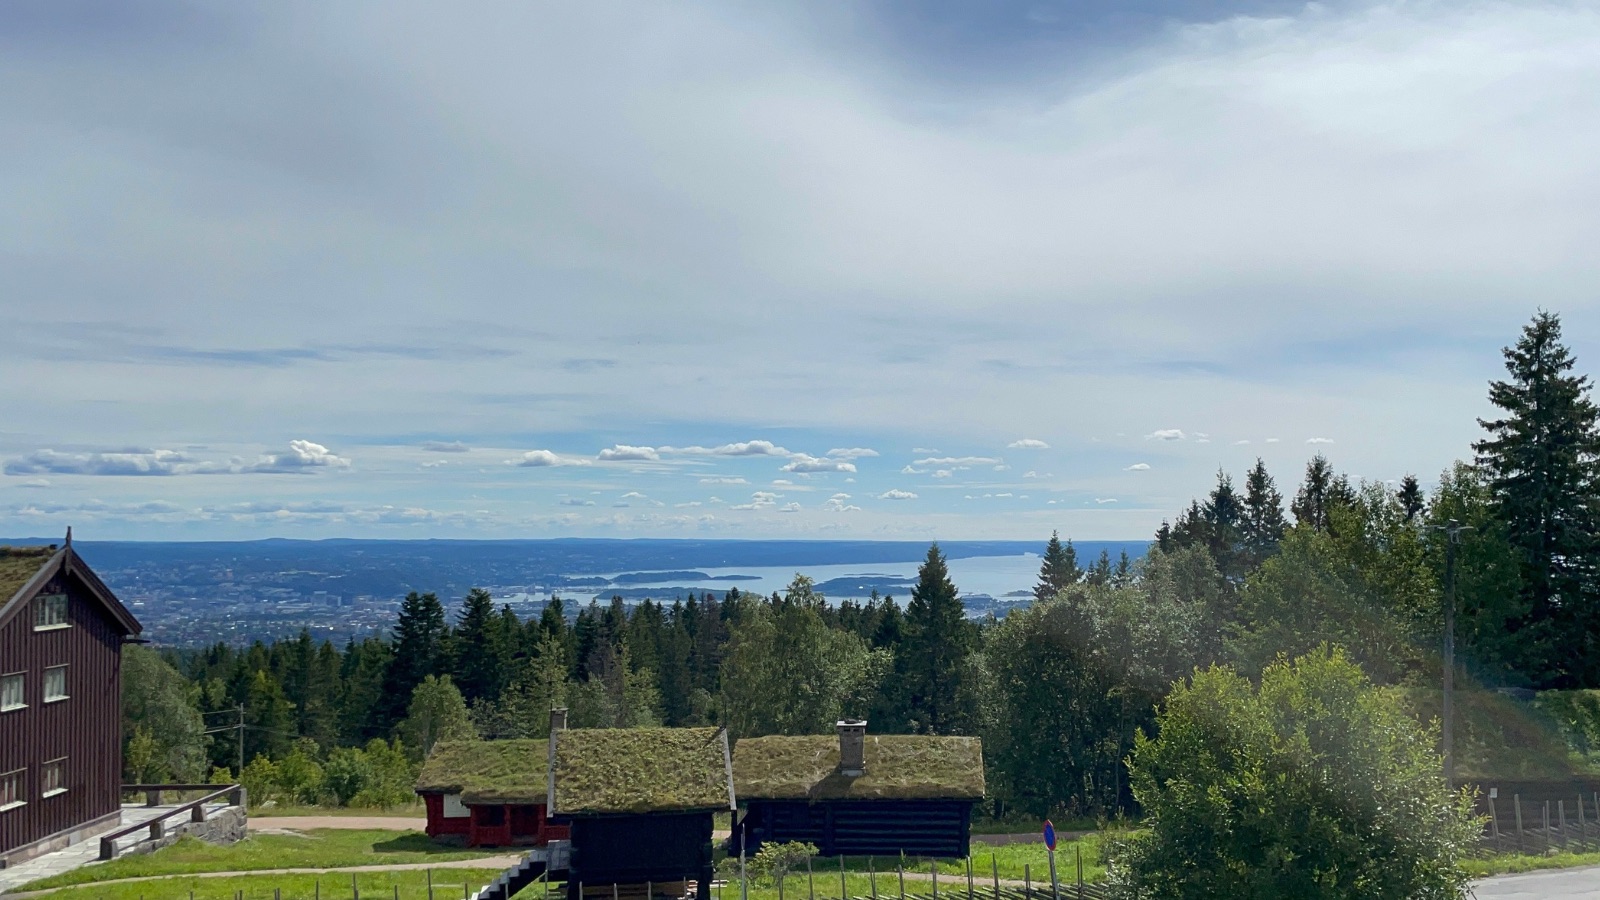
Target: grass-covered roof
18	565
615	771
513	771
899	767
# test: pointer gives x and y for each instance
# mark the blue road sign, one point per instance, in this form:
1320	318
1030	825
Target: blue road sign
1049	835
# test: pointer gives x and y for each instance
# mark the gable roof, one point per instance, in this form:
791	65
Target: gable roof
24	570
619	771
509	771
898	767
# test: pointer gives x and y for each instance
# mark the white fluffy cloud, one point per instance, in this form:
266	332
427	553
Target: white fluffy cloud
852	452
1138	467
741	448
723	479
1319	440
957	461
445	447
897	494
805	464
626	452
302	457
539	459
1166	434
1028	444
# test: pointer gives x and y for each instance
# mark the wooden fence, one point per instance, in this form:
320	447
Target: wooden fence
1540	827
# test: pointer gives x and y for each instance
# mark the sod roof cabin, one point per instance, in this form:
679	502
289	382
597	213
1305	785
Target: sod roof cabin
856	794
640	802
490	792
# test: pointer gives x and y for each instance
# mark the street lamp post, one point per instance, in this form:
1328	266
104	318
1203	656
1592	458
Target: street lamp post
1452	531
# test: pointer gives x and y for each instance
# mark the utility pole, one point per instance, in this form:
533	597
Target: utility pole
240	774
1452	531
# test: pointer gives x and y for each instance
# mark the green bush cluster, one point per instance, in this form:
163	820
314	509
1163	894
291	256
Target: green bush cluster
378	775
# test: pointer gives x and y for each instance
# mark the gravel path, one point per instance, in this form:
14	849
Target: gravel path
306	823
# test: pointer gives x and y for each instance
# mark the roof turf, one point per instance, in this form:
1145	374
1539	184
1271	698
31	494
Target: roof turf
18	565
512	771
898	767
615	771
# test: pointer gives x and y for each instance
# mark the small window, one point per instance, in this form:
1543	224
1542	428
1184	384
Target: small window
50	611
55	684
11	687
11	789
52	778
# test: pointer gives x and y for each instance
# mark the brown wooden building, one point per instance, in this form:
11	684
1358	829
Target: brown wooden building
61	636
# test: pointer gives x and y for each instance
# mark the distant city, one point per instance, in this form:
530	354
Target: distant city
189	594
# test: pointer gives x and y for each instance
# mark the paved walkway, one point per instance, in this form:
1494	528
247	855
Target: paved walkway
306	823
1551	884
487	862
84	852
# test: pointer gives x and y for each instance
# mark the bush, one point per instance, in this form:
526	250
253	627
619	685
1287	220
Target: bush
1315	786
773	861
346	775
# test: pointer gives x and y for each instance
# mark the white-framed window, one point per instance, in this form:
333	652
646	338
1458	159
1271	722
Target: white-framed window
53	778
12	694
50	611
55	684
11	795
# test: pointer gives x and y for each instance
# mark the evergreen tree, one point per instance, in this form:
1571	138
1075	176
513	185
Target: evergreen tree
363	707
1543	461
437	713
1059	568
1100	573
1410	497
477	647
889	633
938	642
1322	490
1263	522
1224	515
419	651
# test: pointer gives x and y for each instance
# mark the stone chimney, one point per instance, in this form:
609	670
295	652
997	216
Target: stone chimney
852	747
558	719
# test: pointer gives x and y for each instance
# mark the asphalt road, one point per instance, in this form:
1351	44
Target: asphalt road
1556	884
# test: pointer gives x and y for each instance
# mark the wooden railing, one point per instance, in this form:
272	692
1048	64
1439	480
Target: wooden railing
157	826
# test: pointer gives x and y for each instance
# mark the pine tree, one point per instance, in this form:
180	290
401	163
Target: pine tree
1322	490
1263	522
479	670
419	651
1100	572
938	642
1059	568
1412	503
1543	461
1224	515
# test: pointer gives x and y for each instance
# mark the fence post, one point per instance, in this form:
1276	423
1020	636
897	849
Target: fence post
901	870
1561	814
872	878
995	868
1027	881
317	886
430	884
1583	827
355	889
811	881
1516	804
1494	825
933	866
1079	848
844	892
1547	825
781	876
969	877
396	893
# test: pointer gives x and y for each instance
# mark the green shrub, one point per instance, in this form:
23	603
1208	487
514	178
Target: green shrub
1314	786
773	862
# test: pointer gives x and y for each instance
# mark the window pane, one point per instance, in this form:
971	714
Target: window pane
55	683
11	691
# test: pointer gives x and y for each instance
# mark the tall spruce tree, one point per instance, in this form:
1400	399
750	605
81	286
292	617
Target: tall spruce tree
1543	462
1059	568
480	670
420	635
1412	503
1263	522
1322	490
938	643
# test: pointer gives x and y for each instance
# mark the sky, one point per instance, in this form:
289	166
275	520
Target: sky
901	270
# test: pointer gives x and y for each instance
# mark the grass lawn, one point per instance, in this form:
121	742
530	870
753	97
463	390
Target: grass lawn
320	849
407	885
1510	863
1030	826
1013	862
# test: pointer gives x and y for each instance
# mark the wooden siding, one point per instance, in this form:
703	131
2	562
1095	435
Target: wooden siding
86	728
659	847
862	827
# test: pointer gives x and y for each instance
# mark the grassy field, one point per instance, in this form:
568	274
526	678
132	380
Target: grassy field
1012	862
406	885
318	849
1506	864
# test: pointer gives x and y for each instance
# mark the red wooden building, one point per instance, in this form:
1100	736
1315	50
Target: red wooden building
490	793
61	636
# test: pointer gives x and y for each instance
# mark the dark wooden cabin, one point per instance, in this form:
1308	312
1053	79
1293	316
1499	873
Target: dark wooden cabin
489	793
852	794
61	636
640	802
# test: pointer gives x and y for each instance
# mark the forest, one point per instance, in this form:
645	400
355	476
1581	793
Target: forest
1250	573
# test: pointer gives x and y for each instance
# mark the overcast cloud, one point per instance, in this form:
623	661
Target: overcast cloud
582	250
